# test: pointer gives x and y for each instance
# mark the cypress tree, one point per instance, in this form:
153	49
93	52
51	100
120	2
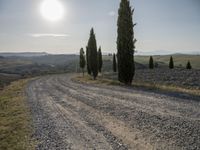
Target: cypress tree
87	59
189	66
100	61
114	63
125	43
151	63
92	54
82	60
171	63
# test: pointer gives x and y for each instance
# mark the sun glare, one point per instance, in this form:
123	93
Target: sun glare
52	10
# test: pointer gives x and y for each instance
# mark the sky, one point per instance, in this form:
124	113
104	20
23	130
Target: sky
163	26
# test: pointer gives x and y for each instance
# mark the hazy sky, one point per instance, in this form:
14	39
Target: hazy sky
163	26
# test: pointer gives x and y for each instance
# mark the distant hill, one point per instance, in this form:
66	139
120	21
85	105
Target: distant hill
166	52
30	64
39	65
26	54
53	59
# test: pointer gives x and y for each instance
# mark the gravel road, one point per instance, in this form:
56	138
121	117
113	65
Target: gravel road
70	115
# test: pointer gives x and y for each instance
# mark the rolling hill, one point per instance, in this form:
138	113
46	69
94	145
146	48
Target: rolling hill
180	60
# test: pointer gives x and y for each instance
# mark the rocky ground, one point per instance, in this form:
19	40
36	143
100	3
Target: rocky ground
177	77
70	115
164	76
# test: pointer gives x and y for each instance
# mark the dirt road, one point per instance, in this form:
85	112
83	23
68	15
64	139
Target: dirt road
69	115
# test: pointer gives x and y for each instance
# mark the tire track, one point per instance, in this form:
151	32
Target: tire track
109	126
69	115
151	125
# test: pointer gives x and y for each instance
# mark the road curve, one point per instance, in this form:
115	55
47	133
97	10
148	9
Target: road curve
69	115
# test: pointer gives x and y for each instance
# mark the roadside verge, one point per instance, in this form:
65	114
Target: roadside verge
163	88
15	120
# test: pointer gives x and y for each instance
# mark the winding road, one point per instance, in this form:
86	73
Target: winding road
71	115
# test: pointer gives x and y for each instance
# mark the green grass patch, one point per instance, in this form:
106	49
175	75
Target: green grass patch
169	88
15	121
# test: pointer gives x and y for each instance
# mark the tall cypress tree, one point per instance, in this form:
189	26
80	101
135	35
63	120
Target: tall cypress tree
82	60
189	66
100	61
87	59
114	63
171	63
151	63
125	43
92	54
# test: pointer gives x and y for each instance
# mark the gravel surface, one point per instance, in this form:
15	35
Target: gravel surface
70	115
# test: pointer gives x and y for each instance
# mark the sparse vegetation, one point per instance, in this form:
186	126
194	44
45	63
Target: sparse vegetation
125	43
6	79
15	123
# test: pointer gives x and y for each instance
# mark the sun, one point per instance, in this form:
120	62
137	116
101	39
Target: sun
52	10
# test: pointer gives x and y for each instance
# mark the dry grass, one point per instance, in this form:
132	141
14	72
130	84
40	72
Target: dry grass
100	80
15	126
178	60
170	88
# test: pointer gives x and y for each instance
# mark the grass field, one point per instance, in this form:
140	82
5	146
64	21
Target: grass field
8	62
179	60
15	124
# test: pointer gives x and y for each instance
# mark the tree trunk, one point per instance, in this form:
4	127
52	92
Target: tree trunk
83	72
